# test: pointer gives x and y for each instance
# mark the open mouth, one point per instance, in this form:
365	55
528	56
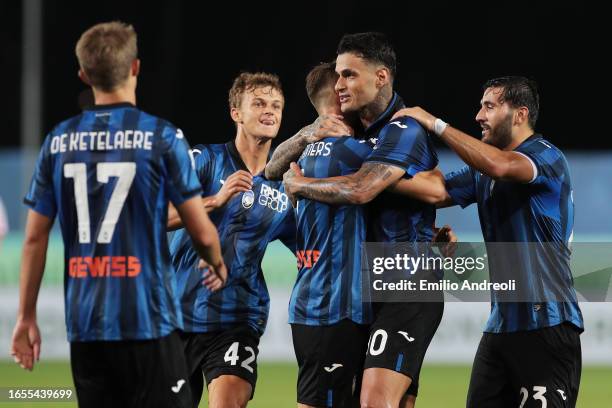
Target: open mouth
344	98
267	122
485	129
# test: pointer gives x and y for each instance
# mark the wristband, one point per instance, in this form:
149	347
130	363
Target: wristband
439	126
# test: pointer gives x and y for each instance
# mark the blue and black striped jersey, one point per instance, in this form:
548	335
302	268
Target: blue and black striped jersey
328	287
246	224
403	143
541	212
109	174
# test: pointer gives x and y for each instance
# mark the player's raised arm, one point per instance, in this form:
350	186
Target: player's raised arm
488	159
25	347
291	149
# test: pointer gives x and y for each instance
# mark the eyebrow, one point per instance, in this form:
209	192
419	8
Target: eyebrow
258	98
346	72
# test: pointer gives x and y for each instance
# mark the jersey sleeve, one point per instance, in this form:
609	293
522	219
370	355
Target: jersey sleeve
287	231
547	161
405	144
204	166
181	179
461	186
41	196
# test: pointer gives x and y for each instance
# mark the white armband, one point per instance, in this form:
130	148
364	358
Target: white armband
439	126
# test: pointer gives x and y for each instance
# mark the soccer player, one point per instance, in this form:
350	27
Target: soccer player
366	66
326	302
529	354
223	328
109	174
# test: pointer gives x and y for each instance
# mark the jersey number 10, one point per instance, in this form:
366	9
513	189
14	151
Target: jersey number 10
125	171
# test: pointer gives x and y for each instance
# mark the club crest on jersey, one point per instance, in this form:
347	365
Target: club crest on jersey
248	198
273	199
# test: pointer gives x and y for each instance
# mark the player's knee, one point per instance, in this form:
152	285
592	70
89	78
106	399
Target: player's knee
227	400
228	391
408	401
375	398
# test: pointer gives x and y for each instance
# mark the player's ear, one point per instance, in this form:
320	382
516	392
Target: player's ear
83	77
135	69
383	77
236	115
521	115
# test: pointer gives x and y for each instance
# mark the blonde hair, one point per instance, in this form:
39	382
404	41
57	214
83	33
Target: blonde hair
106	52
248	81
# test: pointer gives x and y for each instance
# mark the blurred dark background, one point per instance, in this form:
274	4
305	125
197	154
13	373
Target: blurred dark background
191	51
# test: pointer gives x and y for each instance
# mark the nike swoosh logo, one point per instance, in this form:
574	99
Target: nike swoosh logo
562	393
399	124
332	368
178	386
406	336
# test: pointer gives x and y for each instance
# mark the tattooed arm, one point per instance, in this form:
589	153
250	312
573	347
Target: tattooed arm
357	188
291	149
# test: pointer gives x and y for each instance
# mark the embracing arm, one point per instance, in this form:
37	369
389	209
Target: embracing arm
490	160
426	186
357	188
291	149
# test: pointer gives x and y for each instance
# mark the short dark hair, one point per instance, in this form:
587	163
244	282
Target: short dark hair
371	46
518	91
319	78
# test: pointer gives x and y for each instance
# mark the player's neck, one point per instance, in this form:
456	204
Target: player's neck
374	109
253	151
329	110
519	137
120	95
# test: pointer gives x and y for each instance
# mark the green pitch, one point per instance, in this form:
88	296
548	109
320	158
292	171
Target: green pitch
442	386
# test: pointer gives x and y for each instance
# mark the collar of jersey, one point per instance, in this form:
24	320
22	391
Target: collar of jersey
111	106
238	163
530	139
395	105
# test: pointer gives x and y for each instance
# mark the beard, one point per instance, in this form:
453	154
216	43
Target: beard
500	136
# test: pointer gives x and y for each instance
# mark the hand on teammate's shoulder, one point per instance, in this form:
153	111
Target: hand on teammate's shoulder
331	126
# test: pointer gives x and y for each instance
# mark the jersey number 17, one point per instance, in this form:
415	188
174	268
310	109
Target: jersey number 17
125	171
